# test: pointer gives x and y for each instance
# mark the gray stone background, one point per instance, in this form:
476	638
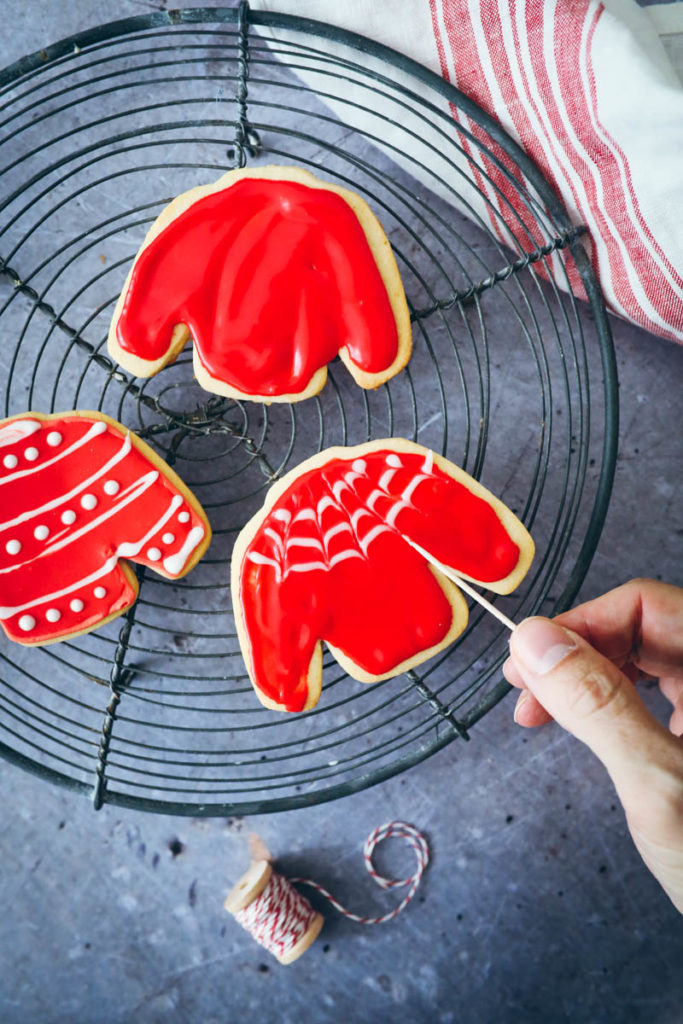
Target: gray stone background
536	906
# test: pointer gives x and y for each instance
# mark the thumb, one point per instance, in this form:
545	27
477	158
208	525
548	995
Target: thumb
591	698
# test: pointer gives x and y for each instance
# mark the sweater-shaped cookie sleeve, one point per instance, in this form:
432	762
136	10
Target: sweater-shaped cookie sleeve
78	494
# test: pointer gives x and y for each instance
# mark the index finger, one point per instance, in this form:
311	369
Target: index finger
639	623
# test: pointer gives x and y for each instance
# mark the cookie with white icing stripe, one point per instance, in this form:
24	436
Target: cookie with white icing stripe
272	272
80	496
328	558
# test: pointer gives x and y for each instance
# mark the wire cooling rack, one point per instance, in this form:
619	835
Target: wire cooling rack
509	378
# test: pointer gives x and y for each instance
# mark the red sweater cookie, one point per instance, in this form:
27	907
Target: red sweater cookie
273	272
79	493
328	559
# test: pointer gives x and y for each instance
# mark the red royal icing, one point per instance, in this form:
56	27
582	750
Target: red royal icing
76	495
329	562
272	278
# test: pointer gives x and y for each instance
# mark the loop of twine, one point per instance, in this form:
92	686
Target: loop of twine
390	830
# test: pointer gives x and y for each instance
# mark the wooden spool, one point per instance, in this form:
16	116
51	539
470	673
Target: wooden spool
249	887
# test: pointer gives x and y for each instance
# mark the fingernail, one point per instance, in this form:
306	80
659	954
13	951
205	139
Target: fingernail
521	701
541	645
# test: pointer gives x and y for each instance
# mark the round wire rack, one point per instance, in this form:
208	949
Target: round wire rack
510	378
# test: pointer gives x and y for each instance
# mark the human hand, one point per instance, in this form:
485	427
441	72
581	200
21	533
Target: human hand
579	669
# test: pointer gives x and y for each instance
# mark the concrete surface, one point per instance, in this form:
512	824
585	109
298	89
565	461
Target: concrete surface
536	907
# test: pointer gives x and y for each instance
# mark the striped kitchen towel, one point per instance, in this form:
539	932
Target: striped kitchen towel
587	89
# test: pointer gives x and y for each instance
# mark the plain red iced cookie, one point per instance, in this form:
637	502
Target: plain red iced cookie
273	273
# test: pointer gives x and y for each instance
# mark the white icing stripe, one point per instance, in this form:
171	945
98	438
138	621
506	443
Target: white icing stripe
6	613
412	487
404	501
367	540
304	542
358	515
140	486
372	498
259	559
343	555
306	513
334	530
175	563
386	479
126	550
337	489
121	454
428	462
398	507
326	502
127	490
97	428
12	433
58	536
274	536
282	514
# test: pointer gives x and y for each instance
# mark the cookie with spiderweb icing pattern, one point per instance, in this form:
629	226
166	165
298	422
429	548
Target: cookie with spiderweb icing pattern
329	558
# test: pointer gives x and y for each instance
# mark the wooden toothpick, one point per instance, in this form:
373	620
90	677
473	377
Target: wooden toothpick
463	584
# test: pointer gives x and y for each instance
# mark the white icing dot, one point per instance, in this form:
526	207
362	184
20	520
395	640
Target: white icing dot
153	554
31	454
41	532
89	502
100	592
13	547
27	623
53	615
394	461
168	538
68	517
112	487
183	517
76	605
53	439
359	465
10	461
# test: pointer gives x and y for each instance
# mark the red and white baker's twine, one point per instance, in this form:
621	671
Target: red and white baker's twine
280	916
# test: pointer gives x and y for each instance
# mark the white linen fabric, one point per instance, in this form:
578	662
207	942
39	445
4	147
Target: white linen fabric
587	90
